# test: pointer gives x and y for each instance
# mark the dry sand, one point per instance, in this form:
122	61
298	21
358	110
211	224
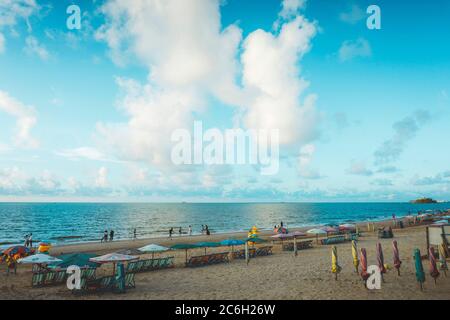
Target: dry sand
280	276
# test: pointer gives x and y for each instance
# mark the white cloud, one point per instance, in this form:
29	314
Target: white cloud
290	8
11	11
360	169
101	180
271	79
88	153
33	47
25	119
353	49
354	15
191	57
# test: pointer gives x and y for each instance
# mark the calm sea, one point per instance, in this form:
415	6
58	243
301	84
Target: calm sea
79	222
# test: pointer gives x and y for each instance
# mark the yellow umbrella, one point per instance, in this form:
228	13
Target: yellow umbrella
355	255
335	268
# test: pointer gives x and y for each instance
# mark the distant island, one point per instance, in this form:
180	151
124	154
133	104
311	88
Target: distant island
424	200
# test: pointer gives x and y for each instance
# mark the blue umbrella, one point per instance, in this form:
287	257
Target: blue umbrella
207	245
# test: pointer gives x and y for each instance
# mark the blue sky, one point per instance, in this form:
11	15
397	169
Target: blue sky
86	115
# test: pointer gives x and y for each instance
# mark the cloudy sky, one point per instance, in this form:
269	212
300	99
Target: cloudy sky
87	115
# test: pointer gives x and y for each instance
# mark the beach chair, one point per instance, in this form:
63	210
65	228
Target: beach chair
303	245
139	266
38	279
129	281
60	277
131	267
49	278
107	283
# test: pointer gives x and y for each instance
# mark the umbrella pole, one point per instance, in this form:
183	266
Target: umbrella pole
295	246
317	238
153	255
186	256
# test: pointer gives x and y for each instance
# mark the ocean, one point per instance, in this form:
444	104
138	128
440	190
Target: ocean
64	223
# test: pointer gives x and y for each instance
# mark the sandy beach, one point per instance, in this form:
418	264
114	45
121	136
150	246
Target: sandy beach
279	276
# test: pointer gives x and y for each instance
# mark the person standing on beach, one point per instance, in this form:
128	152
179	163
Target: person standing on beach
179	231
170	233
207	230
203	229
134	234
105	236
111	235
26	240
190	230
394	220
30	240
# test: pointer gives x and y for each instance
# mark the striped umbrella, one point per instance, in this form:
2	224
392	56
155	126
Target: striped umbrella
363	258
434	272
335	268
420	275
397	261
380	259
355	255
442	261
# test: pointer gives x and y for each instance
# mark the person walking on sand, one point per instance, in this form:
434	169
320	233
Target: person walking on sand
207	230
134	234
105	236
394	220
190	230
170	233
27	237
111	235
180	232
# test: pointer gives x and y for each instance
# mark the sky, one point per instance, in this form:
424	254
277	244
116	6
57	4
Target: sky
88	114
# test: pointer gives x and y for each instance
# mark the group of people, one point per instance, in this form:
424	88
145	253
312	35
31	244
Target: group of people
105	236
205	230
28	241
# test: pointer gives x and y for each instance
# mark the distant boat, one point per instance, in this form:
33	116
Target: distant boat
423	200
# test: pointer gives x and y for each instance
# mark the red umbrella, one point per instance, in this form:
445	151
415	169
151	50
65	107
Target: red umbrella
434	272
380	259
397	261
20	251
363	261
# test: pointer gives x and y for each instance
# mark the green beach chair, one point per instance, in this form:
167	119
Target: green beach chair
49	278
60	277
131	267
129	281
38	279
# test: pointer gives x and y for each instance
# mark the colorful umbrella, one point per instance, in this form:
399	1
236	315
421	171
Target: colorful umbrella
420	274
434	272
397	261
21	251
380	259
363	258
442	259
335	267
355	255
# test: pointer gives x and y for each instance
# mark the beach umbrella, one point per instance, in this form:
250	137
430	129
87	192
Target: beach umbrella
442	259
335	267
380	260
420	274
347	226
75	259
316	232
207	245
296	234
330	229
39	259
255	240
434	272
231	243
397	261
440	223
153	248
20	251
113	258
355	255
184	246
363	258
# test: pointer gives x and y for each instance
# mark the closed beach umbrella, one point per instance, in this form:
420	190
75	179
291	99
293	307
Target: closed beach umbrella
153	248
39	259
420	274
380	259
316	232
442	259
113	258
184	246
335	267
397	261
434	272
355	255
363	258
